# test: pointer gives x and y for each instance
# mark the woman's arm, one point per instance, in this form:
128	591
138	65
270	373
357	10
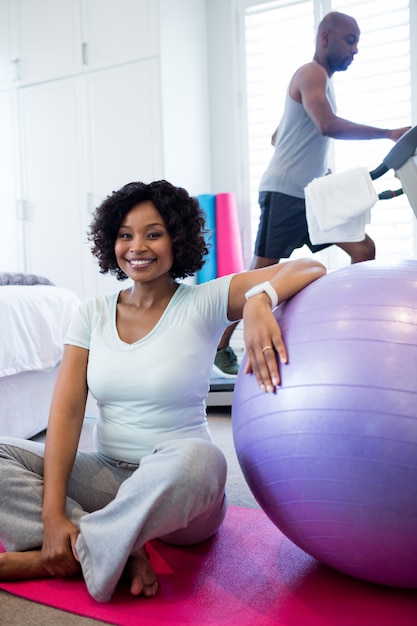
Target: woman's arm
261	329
63	433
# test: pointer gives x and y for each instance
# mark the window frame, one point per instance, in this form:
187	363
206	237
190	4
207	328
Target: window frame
320	8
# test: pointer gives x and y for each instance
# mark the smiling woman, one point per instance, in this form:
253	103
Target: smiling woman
143	247
145	353
180	215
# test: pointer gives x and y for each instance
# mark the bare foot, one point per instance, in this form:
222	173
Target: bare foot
142	577
21	566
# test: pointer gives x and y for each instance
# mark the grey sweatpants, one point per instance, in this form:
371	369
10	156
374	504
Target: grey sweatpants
175	494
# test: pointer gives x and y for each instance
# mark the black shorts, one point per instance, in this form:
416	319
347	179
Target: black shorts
282	226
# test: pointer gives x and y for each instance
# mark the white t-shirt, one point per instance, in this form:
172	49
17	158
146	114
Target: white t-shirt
154	389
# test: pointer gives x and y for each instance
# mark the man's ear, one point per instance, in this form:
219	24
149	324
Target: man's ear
324	38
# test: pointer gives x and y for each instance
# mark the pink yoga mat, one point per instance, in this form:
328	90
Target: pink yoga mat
228	237
249	574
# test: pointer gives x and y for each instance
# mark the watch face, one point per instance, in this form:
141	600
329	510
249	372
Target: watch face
264	287
255	290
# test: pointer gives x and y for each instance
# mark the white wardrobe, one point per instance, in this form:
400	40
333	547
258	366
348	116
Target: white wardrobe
85	90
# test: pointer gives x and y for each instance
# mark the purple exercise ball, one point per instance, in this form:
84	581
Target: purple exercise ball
331	457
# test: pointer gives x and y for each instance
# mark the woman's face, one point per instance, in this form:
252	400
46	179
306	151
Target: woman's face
143	246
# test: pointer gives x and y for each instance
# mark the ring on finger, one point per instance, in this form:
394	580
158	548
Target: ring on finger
265	348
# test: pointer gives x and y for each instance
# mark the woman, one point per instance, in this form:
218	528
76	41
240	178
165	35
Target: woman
146	354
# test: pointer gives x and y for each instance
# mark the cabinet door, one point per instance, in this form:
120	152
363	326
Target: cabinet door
118	31
124	125
48	39
7	53
11	228
50	117
123	132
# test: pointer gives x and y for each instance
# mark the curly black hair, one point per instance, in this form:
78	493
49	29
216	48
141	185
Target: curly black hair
181	213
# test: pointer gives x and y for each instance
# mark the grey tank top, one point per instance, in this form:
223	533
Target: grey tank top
301	153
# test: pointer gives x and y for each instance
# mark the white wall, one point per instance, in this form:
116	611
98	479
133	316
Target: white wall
202	112
185	94
229	143
199	94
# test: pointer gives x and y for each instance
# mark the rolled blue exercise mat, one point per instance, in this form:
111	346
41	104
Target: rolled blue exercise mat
209	270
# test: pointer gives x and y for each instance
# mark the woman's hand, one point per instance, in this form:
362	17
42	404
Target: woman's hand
58	549
263	342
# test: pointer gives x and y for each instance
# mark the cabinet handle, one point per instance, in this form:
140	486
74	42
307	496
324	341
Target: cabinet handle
85	53
21	210
16	66
90	203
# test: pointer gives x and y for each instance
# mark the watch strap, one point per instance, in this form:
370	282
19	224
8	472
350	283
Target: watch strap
264	287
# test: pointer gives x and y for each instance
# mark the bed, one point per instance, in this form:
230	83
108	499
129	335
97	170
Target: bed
34	316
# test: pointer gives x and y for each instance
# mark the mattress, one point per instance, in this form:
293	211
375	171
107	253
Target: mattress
34	320
25	402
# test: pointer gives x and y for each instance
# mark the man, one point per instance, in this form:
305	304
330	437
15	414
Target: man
302	143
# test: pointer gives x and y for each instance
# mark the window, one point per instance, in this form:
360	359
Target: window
376	90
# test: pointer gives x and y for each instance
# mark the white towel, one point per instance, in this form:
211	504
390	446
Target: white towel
353	230
337	199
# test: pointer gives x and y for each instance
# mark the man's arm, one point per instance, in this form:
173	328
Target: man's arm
308	87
